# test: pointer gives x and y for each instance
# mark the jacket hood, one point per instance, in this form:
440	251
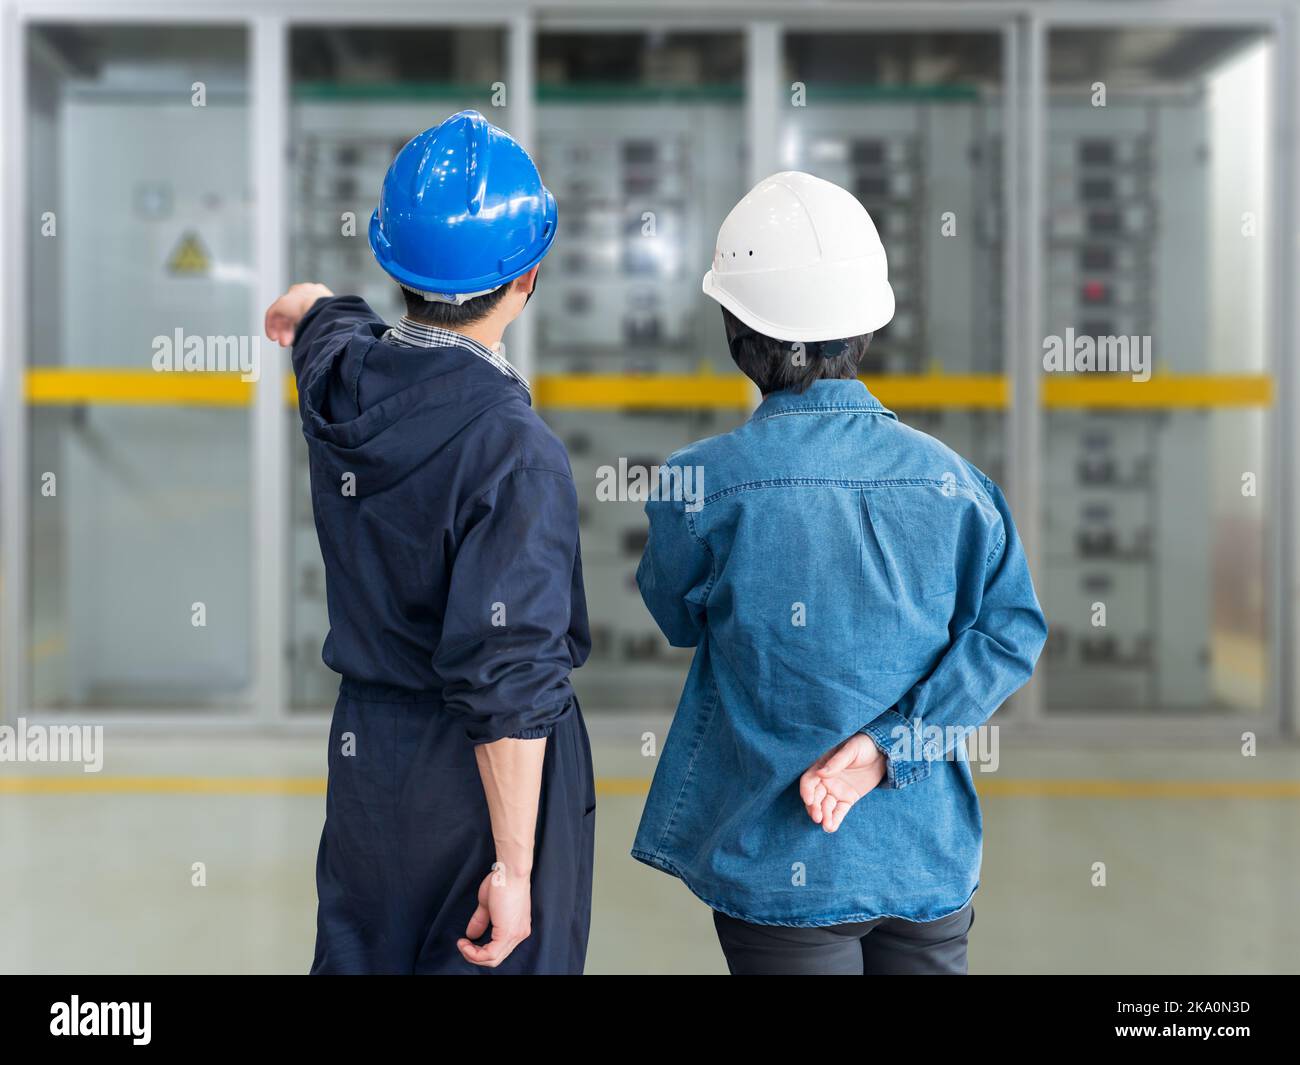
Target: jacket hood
380	410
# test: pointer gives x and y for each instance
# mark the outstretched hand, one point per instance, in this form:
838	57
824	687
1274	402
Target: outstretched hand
839	778
283	316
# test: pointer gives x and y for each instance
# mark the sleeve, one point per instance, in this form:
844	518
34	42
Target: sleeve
329	319
504	656
676	571
993	655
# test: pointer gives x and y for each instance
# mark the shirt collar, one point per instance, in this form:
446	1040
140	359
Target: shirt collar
824	396
409	333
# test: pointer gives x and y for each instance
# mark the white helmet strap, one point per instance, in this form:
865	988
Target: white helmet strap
456	298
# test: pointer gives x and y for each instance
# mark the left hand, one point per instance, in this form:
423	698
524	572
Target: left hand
839	778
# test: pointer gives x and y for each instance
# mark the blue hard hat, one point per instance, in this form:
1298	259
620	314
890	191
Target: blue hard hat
462	210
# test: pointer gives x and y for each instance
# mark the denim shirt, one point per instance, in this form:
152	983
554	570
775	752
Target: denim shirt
838	573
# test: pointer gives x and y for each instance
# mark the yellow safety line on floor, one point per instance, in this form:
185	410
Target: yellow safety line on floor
95	784
1137	789
1024	788
71	386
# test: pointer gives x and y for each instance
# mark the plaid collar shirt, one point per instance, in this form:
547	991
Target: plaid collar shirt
408	333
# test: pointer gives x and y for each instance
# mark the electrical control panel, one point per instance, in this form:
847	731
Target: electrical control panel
1126	540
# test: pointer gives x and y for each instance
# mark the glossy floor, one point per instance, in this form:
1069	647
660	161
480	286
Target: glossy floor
1202	870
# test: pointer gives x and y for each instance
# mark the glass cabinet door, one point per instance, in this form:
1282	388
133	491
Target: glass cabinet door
641	138
357	95
911	124
1156	494
140	206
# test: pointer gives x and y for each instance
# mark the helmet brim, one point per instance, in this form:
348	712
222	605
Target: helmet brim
843	299
512	268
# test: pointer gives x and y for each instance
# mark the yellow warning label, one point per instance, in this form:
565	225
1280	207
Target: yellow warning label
190	256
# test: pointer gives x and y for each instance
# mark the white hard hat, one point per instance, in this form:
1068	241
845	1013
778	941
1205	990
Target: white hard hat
800	259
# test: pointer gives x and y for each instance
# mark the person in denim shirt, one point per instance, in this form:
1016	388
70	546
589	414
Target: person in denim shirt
859	601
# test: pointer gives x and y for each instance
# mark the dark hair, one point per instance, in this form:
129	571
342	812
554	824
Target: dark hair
781	365
450	315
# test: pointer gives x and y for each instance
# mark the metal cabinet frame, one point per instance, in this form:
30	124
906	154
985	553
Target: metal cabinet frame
1023	28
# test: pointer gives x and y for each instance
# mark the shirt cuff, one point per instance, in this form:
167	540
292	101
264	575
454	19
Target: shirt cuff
893	735
537	732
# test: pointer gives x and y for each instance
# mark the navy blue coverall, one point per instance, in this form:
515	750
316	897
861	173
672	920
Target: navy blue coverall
448	522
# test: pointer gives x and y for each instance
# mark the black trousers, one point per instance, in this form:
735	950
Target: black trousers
887	946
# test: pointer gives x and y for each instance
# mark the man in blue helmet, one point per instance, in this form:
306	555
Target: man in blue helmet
461	803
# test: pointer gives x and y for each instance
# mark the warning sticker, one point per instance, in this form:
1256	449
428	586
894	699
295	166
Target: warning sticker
190	257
